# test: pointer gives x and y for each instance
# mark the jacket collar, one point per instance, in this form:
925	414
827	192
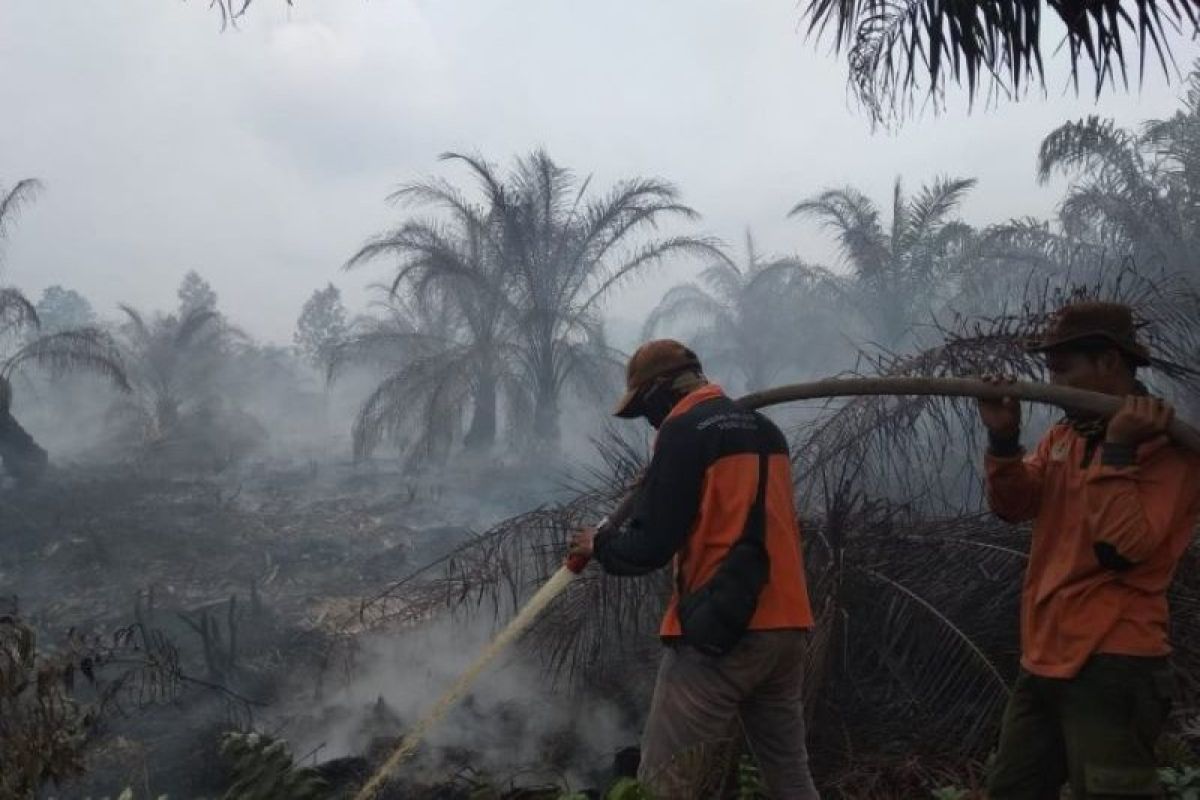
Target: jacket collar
708	391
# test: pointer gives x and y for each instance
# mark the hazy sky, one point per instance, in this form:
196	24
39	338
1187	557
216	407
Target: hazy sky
261	156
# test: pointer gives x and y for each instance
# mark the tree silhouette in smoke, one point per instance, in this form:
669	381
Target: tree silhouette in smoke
23	344
525	268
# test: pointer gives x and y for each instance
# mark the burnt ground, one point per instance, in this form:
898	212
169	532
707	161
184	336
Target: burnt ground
81	546
247	575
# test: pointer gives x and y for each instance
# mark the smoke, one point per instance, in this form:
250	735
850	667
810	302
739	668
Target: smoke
512	720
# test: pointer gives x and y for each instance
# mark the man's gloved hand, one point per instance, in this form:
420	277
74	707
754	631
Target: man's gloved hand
582	543
1001	417
1141	417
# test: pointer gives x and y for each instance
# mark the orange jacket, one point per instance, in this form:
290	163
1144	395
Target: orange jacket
1110	523
697	493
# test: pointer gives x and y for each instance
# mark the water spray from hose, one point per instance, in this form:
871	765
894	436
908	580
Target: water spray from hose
573	566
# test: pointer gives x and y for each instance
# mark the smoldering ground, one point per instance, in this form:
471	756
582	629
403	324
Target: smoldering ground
513	723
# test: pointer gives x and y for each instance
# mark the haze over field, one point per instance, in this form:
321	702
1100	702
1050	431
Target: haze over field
261	157
312	327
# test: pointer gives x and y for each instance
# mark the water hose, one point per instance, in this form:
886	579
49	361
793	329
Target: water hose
1070	399
1064	397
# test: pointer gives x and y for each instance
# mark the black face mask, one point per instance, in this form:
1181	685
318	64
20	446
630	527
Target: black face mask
656	403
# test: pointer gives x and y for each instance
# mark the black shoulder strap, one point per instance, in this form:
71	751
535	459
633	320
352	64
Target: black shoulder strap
755	529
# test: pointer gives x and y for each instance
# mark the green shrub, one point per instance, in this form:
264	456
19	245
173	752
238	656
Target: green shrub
1182	783
950	793
263	770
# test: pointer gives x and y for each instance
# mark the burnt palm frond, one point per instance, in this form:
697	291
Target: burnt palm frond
16	312
81	350
912	445
907	638
901	50
21	194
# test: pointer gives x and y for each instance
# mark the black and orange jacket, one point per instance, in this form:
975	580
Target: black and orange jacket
696	495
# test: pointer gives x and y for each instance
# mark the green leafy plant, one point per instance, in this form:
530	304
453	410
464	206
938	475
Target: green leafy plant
750	784
1181	783
127	794
263	769
627	789
950	793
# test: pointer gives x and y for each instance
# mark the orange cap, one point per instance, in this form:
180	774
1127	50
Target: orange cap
654	359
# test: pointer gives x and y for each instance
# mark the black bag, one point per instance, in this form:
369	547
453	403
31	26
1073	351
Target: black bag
714	617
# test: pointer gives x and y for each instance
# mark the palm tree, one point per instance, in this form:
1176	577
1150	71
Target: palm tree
171	362
436	367
756	320
22	345
1136	193
562	254
900	49
530	265
454	313
900	271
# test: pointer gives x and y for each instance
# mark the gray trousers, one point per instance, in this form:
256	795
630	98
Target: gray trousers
694	714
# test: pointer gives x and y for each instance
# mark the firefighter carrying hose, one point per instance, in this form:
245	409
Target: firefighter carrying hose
1114	505
717	501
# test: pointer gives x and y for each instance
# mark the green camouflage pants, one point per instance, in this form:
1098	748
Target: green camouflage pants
1096	731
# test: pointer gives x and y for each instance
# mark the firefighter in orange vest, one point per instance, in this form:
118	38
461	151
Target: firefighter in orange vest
1113	507
717	503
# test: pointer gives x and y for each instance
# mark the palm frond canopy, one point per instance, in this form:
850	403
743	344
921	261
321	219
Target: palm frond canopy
744	318
16	312
900	50
1133	192
174	363
902	271
11	201
81	350
525	262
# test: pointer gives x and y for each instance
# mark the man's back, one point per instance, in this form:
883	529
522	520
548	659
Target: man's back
721	443
699	489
